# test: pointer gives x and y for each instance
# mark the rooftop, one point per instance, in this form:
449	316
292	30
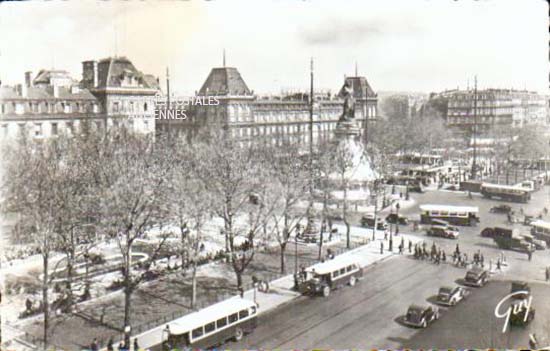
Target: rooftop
224	81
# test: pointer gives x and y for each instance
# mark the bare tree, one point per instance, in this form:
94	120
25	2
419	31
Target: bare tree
190	207
33	172
133	174
290	185
232	172
344	166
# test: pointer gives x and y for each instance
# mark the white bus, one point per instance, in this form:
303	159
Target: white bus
212	326
459	215
541	230
505	192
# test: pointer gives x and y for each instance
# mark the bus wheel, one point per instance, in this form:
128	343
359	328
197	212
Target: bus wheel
326	291
238	334
352	281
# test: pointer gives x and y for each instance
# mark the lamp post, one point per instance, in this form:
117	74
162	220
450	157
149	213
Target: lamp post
397	219
127	331
164	337
391	229
296	253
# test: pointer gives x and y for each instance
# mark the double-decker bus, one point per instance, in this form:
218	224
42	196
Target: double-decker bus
541	230
212	326
458	215
505	192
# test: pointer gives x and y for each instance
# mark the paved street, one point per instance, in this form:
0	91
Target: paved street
369	315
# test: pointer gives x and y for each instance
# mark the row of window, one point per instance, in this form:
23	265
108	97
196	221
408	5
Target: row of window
40	129
343	271
129	106
49	107
221	323
282	129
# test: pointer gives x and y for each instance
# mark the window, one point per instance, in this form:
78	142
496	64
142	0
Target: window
70	127
243	314
335	274
349	268
54	128
197	332
145	107
221	322
38	129
210	327
343	271
233	318
116	106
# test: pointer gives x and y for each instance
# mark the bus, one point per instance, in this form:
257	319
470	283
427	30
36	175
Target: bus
322	278
458	215
505	192
541	230
212	326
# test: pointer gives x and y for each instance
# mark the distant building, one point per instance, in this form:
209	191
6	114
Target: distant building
495	107
272	118
112	92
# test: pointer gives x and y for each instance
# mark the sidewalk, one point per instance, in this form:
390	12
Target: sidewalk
281	289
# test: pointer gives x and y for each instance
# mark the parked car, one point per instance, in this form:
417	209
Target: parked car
395	218
537	243
476	277
520	286
421	316
367	221
501	209
449	232
519	319
451	295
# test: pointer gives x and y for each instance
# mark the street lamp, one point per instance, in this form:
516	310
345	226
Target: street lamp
127	331
391	229
296	252
164	337
397	219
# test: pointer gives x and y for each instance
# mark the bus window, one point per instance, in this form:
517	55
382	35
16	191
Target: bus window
233	318
335	274
343	271
253	310
350	268
435	213
197	332
221	322
453	214
210	327
444	213
243	314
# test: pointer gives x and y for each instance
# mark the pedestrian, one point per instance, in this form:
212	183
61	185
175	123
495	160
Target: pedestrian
443	257
529	254
136	345
94	346
547	273
410	246
498	264
457	250
533	343
481	259
401	248
386	234
122	346
110	344
381	248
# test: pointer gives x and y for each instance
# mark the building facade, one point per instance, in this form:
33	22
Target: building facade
495	107
274	118
111	93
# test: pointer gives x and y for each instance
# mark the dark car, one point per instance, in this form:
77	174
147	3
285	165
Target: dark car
519	318
520	286
395	218
449	232
501	209
451	295
476	277
368	222
421	316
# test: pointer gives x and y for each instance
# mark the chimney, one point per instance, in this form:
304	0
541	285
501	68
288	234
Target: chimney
28	79
89	74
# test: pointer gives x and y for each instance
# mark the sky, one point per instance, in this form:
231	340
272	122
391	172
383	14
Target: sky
399	45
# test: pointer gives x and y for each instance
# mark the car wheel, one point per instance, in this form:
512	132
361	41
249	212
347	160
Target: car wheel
352	281
238	334
453	302
326	291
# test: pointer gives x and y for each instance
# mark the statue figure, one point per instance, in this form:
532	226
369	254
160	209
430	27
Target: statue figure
349	103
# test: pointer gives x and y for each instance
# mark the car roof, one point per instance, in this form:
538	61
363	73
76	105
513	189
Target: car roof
476	270
329	266
418	307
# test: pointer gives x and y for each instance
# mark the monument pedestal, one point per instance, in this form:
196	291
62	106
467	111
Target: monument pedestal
347	129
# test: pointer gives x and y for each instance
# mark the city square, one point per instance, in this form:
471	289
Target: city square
168	198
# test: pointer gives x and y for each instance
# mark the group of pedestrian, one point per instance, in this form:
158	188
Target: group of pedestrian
94	346
479	260
436	254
